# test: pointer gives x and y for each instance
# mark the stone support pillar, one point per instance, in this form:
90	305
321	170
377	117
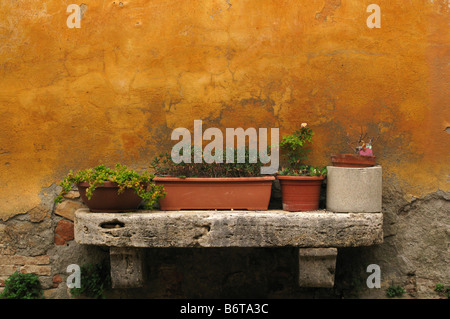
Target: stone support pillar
317	267
126	267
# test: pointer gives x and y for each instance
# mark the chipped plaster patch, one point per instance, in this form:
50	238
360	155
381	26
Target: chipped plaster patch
330	6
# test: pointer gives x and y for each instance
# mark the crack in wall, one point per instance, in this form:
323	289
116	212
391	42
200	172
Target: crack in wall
415	203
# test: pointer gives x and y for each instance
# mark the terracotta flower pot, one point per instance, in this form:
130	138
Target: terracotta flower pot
353	160
106	199
300	193
251	193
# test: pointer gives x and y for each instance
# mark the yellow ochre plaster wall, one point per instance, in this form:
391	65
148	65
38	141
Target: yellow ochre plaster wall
115	88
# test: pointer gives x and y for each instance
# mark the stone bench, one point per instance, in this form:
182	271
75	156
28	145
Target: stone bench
317	234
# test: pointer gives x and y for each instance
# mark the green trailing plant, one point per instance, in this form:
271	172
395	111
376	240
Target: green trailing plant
22	286
163	165
294	149
95	281
395	291
125	178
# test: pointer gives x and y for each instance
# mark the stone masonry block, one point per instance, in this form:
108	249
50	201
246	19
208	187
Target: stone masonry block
7	270
42	270
36	269
68	208
126	267
228	229
24	260
317	267
64	232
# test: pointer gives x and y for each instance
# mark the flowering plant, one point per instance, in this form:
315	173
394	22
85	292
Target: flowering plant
363	146
293	147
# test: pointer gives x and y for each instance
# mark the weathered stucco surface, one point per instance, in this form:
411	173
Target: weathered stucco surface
114	89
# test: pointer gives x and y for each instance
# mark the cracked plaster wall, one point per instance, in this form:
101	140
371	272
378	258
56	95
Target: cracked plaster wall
114	89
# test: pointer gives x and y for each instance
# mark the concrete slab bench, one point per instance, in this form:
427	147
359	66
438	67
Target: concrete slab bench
317	234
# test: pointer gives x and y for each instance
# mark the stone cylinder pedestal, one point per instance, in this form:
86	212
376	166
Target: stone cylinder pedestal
354	190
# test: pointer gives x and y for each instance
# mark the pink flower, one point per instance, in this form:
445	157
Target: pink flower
304	124
366	152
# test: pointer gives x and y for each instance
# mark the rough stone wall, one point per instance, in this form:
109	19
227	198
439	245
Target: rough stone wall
415	252
42	242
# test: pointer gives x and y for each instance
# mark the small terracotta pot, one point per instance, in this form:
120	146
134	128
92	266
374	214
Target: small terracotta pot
300	193
353	160
251	193
106	199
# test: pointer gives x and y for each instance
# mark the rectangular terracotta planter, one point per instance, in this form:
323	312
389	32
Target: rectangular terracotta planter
251	193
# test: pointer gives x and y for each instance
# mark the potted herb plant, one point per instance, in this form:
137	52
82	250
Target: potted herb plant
212	185
118	189
361	156
300	183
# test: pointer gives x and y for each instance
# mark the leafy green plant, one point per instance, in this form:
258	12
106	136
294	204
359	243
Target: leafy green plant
95	281
439	288
442	290
305	170
295	151
124	177
164	165
22	286
395	291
